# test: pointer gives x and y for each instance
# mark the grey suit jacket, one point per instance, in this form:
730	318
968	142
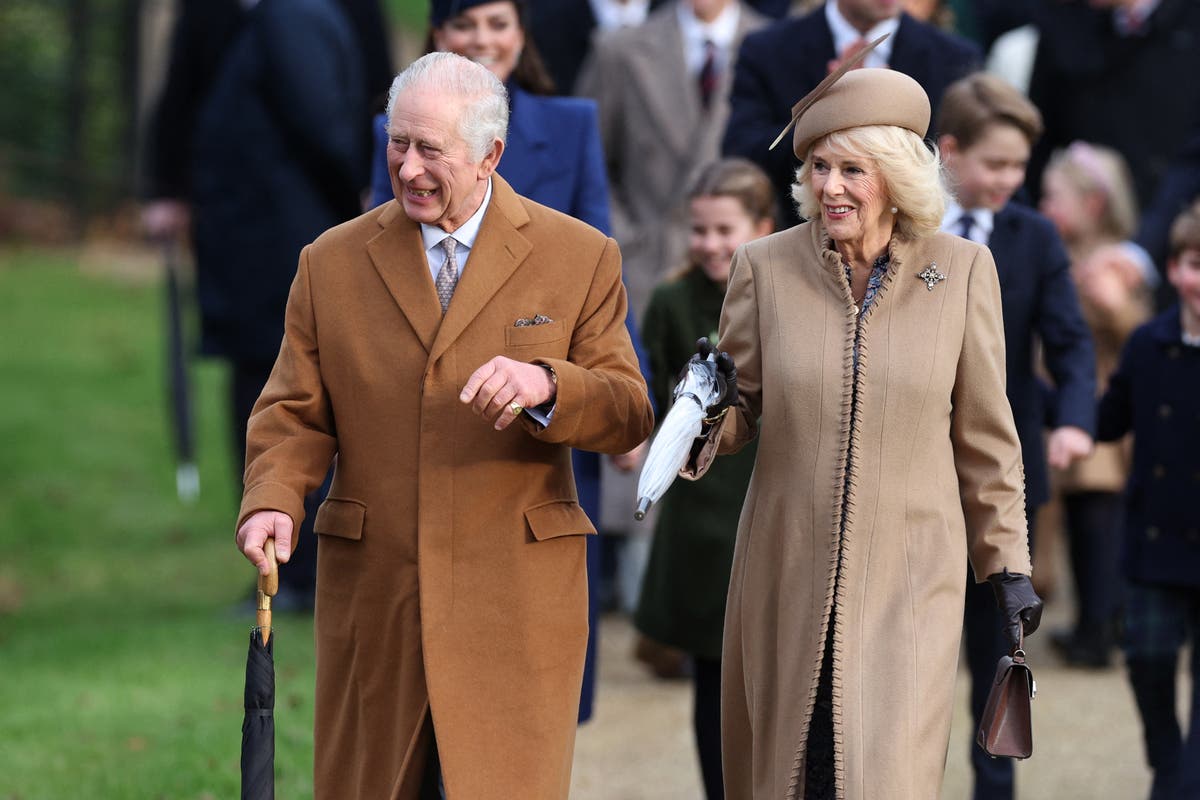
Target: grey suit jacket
656	137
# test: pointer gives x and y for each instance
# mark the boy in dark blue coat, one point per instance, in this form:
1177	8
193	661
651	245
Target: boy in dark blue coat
1155	393
987	129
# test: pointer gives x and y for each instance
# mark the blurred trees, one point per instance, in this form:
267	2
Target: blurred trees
68	101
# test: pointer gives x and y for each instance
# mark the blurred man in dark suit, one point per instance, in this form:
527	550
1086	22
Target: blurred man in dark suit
779	65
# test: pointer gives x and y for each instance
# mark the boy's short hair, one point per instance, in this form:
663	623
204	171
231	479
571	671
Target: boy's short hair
971	104
1185	231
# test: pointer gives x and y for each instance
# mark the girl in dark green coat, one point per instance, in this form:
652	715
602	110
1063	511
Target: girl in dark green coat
683	591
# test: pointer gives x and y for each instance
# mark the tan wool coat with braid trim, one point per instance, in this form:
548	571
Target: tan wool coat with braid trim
936	479
451	575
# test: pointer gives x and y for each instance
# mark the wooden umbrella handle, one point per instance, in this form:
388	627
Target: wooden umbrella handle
268	586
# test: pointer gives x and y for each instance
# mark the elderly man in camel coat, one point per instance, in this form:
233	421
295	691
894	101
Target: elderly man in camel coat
450	380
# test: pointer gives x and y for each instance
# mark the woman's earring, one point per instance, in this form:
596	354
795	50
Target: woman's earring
895	210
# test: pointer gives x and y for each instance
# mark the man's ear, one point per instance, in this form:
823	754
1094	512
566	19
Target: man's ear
948	146
488	165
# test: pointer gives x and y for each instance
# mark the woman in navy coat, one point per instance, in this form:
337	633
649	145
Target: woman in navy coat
553	156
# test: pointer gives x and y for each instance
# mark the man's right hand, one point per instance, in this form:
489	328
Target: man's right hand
260	526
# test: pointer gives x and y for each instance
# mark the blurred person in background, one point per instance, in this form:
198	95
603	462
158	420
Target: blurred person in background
552	156
1087	193
869	346
682	603
1115	73
259	143
662	89
663	94
987	129
783	62
1153	394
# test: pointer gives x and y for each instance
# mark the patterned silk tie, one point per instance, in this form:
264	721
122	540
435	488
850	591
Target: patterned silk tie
708	74
447	277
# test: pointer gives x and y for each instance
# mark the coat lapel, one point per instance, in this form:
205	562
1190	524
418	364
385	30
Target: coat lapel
660	69
1001	242
499	250
399	257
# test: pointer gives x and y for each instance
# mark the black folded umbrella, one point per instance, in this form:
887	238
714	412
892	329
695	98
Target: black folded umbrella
258	727
187	477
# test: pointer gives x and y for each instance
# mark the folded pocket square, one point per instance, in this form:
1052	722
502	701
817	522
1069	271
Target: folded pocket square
537	319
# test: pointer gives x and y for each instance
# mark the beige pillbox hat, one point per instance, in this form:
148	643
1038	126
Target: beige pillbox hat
850	98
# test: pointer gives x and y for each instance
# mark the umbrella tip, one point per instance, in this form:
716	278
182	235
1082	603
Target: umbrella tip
187	482
643	507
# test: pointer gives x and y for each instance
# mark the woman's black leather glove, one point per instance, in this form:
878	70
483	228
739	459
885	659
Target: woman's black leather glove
1019	604
727	391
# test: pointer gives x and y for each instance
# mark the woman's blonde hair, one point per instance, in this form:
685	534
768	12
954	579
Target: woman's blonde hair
912	175
1093	168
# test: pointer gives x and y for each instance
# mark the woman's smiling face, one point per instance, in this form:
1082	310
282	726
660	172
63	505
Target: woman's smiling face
489	34
852	195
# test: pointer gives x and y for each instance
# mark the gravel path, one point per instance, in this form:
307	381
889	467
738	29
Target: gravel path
1087	738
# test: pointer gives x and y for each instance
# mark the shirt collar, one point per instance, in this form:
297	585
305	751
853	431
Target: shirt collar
431	235
981	231
610	14
845	34
721	32
1132	21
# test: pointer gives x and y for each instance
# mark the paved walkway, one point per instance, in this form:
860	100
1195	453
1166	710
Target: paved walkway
1087	739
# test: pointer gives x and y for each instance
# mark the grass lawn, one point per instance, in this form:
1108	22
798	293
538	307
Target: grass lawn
121	663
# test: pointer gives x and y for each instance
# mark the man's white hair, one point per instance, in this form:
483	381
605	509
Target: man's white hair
484	116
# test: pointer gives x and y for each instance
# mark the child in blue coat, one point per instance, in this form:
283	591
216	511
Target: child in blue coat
1155	392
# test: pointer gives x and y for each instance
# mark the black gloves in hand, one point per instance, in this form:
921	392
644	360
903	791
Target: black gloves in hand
1019	604
727	392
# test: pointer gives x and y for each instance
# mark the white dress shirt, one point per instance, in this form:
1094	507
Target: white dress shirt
721	32
981	229
611	15
845	34
432	236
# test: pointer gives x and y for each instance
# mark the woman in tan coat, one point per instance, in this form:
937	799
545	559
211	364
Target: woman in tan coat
870	348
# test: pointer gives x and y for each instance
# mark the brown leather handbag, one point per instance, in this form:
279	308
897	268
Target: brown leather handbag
1006	727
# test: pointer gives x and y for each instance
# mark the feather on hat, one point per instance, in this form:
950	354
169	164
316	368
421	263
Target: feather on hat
849	99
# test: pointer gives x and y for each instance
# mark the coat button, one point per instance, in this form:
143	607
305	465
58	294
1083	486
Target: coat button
1159	470
1193	535
1164	411
1152	533
1173	352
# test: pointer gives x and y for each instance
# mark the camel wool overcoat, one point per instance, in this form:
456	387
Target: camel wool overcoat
451	573
934	478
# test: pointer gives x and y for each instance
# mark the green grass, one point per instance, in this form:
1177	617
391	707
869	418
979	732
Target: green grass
120	662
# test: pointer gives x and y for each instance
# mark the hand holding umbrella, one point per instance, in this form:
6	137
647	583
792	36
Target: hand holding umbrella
708	387
258	727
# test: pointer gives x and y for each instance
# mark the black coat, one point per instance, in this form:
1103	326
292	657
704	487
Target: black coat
1154	393
1136	94
278	158
1178	189
778	65
199	43
1040	306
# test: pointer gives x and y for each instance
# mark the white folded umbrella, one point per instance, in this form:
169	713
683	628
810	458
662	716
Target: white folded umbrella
677	433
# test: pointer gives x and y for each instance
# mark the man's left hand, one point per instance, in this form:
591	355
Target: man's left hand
497	385
1067	445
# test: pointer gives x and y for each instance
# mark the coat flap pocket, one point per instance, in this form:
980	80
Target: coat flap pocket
517	336
557	518
341	518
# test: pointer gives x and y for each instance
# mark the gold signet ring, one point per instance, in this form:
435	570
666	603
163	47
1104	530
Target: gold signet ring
516	408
